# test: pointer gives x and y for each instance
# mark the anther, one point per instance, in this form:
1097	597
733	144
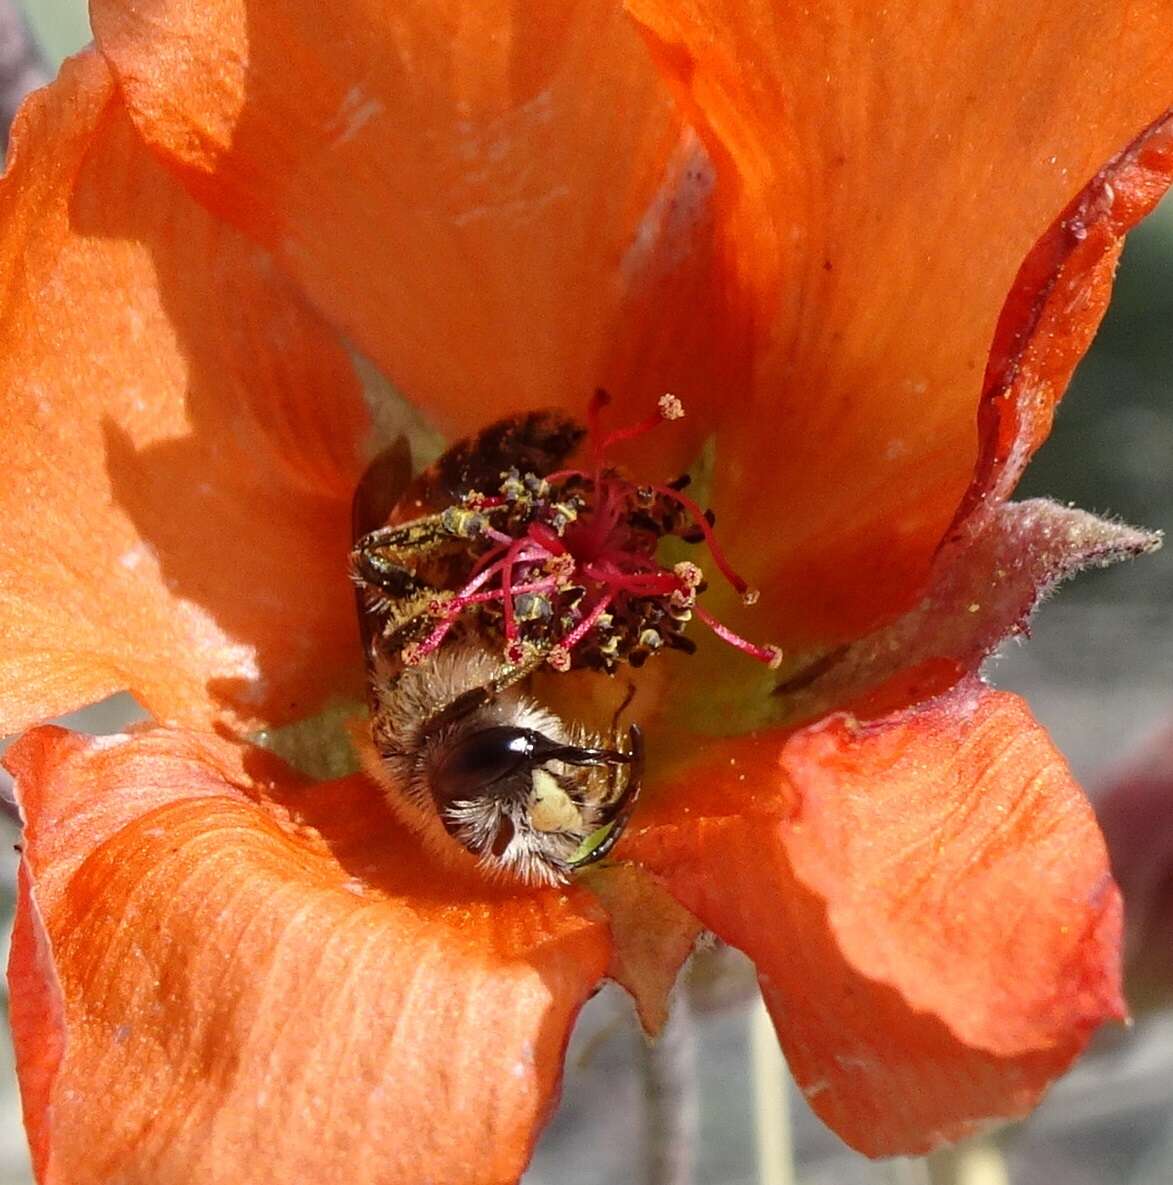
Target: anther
689	574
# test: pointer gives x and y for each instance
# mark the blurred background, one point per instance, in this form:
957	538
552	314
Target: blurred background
1098	673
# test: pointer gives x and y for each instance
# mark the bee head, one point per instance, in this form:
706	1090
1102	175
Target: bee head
531	805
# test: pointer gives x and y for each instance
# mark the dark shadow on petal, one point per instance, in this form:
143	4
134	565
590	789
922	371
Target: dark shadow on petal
242	493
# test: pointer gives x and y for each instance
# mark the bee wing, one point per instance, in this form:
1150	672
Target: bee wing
380	488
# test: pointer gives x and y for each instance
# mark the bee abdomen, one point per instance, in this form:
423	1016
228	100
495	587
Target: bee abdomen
537	442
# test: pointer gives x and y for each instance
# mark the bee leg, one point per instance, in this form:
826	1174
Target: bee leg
381	559
510	673
619	811
391	597
624	802
477	697
370	569
395	607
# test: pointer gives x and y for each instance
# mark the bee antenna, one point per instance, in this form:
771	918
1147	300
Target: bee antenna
578	755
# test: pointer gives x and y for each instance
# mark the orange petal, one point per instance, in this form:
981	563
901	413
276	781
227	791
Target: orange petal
180	446
488	199
883	171
927	899
265	979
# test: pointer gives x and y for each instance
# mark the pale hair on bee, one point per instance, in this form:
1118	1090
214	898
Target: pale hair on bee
502	775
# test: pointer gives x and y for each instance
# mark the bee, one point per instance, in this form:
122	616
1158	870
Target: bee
495	563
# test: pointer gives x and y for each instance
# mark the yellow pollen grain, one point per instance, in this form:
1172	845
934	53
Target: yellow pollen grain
551	808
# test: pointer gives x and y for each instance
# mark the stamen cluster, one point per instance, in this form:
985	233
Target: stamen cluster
564	566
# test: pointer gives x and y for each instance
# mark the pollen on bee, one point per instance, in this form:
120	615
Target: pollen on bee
551	808
562	566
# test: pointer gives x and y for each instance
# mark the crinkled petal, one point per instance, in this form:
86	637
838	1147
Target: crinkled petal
883	171
927	900
497	201
181	440
653	936
263	979
1055	308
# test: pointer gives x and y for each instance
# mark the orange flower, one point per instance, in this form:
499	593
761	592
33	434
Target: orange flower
806	226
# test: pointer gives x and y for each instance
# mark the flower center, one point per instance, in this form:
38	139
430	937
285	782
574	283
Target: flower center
564	567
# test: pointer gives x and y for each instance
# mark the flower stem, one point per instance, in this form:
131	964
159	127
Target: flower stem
977	1162
904	1170
668	1068
775	1144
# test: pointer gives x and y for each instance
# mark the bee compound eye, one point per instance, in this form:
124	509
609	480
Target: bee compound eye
479	760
